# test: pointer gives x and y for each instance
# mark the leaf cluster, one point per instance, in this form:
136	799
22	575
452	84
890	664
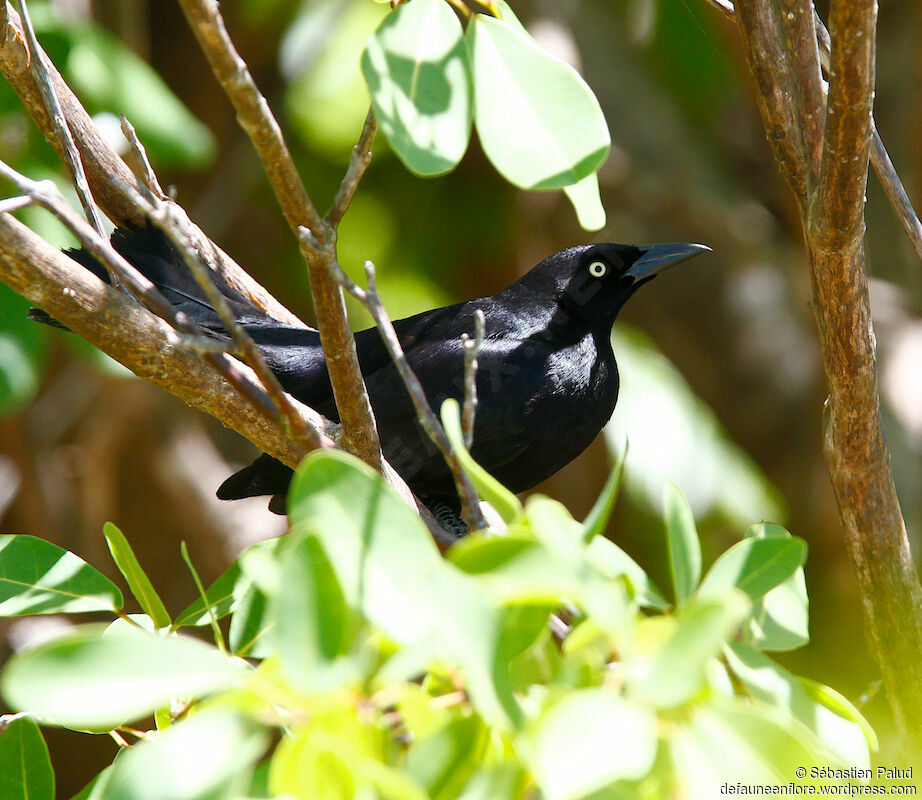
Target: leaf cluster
535	660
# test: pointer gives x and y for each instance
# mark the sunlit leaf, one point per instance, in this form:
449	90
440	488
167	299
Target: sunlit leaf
89	681
390	570
682	540
584	195
755	566
677	671
208	756
415	65
841	733
538	121
780	619
25	768
597	519
589	739
140	585
447	758
37	577
505	502
611	560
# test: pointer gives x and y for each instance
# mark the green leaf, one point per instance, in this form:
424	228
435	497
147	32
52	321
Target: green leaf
612	561
313	625
841	733
682	541
445	760
140	585
507	505
678	670
225	594
391	571
780	619
840	705
500	781
22	352
208	756
538	121
755	566
597	520
589	739
584	195
729	743
37	577
87	680
25	768
415	65
251	626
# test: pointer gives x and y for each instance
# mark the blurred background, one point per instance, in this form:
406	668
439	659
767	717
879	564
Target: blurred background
722	385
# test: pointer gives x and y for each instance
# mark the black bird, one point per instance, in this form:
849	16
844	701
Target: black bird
547	381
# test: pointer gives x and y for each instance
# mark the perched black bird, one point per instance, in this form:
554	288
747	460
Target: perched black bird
547	381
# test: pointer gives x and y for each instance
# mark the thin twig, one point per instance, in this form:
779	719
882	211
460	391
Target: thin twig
471	351
140	153
361	158
255	117
307	436
470	508
12	204
59	122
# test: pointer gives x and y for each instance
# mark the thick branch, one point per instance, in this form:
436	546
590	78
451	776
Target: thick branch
255	117
837	213
114	186
134	337
766	52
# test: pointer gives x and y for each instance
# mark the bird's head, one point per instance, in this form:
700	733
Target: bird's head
592	282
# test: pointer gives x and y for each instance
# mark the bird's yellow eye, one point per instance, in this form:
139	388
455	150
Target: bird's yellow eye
598	269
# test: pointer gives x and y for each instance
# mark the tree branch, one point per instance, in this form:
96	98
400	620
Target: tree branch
114	186
255	117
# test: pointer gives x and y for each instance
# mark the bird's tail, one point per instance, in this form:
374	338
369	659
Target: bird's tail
151	253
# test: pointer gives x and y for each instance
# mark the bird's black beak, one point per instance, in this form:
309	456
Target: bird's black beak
655	258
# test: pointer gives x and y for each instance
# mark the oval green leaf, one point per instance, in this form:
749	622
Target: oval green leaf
589	739
25	768
87	680
538	121
755	566
37	577
415	65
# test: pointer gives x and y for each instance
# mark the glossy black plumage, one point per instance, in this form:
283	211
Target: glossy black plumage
547	381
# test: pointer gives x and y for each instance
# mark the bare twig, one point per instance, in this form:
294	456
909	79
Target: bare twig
471	351
361	158
140	153
62	132
12	204
255	117
470	508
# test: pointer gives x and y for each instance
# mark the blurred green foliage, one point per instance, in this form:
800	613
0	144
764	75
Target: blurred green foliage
389	671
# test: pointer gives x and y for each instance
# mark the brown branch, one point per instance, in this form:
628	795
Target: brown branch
856	453
115	188
470	507
880	158
38	63
255	117
361	158
806	79
766	52
136	338
143	162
